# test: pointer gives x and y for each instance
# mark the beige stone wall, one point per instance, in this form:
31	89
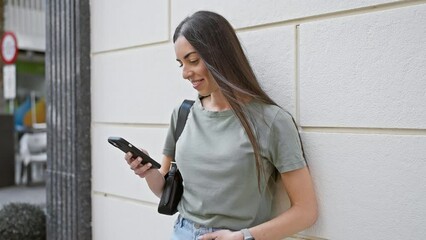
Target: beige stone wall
351	72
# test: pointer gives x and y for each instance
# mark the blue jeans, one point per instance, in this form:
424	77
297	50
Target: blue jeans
185	229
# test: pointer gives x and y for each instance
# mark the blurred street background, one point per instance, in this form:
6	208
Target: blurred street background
28	194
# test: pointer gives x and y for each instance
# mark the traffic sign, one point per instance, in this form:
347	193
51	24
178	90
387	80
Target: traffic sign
9	48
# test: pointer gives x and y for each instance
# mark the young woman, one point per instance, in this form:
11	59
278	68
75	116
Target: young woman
237	143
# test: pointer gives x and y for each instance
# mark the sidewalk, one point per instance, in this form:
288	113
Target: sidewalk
28	194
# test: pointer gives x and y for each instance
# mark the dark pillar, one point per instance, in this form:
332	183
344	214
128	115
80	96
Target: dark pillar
68	120
7	150
2	103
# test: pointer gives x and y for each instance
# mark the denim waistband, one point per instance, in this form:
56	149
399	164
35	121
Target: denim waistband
195	228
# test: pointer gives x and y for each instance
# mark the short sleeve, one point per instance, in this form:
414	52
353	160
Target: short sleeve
284	145
170	143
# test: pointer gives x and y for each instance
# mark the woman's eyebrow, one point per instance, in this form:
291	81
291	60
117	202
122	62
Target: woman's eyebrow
186	56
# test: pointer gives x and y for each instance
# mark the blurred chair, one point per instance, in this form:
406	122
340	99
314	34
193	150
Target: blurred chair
32	153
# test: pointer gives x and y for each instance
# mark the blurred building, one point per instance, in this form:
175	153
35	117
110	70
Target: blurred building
27	111
27	20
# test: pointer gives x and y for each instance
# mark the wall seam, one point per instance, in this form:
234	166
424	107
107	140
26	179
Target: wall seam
123	198
136	125
134	47
334	15
297	71
360	130
169	15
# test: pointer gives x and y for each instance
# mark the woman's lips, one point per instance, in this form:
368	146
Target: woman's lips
196	83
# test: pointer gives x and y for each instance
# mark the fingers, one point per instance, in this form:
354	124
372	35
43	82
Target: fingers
221	234
142	170
135	164
129	157
207	236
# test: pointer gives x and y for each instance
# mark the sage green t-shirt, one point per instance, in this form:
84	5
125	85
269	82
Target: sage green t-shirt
217	163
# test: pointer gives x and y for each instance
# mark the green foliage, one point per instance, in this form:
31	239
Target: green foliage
22	221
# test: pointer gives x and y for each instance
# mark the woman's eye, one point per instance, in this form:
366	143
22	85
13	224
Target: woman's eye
194	61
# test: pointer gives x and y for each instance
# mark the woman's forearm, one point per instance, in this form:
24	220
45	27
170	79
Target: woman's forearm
288	223
155	180
302	213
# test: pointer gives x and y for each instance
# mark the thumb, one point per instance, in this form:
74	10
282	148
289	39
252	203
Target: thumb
207	236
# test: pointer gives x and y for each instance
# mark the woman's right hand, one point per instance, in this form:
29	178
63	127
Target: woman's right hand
154	177
142	170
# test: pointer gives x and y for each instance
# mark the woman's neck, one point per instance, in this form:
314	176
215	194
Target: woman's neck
216	101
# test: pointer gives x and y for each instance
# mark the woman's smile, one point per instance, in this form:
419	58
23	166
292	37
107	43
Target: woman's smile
196	83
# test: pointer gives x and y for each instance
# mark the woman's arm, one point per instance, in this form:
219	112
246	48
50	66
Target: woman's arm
154	177
302	213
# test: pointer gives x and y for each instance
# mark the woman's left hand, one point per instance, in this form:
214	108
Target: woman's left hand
222	235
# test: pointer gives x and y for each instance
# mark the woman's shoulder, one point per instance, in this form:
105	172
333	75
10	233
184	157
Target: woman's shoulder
271	112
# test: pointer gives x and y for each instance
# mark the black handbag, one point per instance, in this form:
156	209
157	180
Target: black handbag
173	187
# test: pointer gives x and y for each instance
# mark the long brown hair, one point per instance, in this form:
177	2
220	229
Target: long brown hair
217	44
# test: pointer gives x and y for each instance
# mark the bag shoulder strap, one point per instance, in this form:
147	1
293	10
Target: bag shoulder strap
184	109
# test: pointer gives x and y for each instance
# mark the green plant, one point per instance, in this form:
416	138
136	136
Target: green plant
22	221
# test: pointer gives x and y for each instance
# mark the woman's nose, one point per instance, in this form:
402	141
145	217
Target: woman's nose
186	72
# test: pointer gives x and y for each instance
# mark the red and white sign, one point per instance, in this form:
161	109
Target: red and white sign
9	48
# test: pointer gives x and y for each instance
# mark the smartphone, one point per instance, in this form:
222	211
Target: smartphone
125	146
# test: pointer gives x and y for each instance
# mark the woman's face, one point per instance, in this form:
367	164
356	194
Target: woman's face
193	68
